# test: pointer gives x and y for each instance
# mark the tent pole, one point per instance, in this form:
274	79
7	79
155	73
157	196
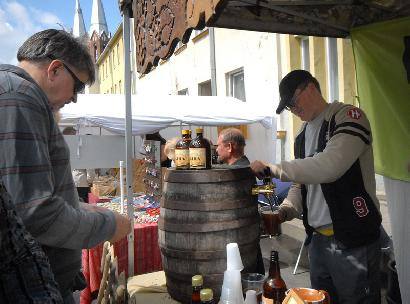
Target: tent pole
128	134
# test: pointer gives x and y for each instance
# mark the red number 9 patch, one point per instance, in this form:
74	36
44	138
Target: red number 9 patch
360	206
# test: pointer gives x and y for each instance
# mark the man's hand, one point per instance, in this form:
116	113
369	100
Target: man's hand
260	169
123	227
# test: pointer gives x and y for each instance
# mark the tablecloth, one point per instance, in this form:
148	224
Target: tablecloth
93	199
147	258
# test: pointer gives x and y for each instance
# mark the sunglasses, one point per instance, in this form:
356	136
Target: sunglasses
78	84
292	103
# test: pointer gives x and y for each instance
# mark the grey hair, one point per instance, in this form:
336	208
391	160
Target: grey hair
58	44
234	136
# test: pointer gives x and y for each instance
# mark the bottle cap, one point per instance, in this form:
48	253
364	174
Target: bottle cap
206	295
199	130
197	280
185	132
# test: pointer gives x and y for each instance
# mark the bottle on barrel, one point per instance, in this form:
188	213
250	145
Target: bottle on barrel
207	296
197	282
274	287
182	150
200	152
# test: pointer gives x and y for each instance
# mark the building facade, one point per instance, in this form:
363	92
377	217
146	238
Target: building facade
249	66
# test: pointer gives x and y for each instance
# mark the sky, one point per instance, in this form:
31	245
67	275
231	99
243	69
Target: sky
19	19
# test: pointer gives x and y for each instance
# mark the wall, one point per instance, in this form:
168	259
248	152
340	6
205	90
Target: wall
110	65
255	52
290	59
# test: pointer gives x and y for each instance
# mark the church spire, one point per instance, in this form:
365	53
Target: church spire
98	22
78	26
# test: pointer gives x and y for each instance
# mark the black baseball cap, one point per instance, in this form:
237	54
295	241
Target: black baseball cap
288	86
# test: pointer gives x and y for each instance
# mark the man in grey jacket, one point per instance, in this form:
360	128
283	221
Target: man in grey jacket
34	158
334	188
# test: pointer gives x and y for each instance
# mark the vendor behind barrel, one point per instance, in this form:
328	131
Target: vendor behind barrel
334	188
231	146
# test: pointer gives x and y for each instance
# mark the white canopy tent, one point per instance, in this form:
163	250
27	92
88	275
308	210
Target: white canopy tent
148	114
153	113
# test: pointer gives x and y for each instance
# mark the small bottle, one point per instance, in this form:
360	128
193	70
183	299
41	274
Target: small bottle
207	296
182	150
199	152
274	287
197	282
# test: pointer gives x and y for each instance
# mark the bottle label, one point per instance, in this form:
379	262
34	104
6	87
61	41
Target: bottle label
266	300
197	158
182	158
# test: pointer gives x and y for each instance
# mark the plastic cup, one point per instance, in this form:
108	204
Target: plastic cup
233	257
228	296
271	220
253	281
250	297
232	283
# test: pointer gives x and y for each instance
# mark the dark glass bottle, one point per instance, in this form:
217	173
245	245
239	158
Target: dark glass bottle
199	152
182	150
274	287
197	282
207	296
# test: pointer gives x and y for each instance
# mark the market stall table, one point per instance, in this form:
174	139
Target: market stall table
93	199
147	258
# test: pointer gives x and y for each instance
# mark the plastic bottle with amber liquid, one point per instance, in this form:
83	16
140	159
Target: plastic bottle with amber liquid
182	151
197	282
274	287
199	152
207	296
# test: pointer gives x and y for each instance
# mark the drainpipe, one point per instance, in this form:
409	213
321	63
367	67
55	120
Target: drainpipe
213	62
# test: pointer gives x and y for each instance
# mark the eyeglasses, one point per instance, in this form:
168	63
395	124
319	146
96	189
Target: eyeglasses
292	103
78	84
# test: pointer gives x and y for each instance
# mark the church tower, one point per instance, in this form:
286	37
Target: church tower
99	35
98	21
78	25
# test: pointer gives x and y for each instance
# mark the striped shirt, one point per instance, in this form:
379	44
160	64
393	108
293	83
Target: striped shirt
35	168
25	273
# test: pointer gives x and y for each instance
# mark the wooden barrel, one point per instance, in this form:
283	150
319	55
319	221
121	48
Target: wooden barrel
201	212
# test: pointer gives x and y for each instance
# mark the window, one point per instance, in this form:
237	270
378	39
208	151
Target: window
204	88
236	84
183	92
118	53
95	52
332	69
113	58
119	86
304	53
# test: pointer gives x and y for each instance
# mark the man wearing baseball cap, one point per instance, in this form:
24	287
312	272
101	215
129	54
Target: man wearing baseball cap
333	188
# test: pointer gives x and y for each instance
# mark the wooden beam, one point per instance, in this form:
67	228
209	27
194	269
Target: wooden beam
298	14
